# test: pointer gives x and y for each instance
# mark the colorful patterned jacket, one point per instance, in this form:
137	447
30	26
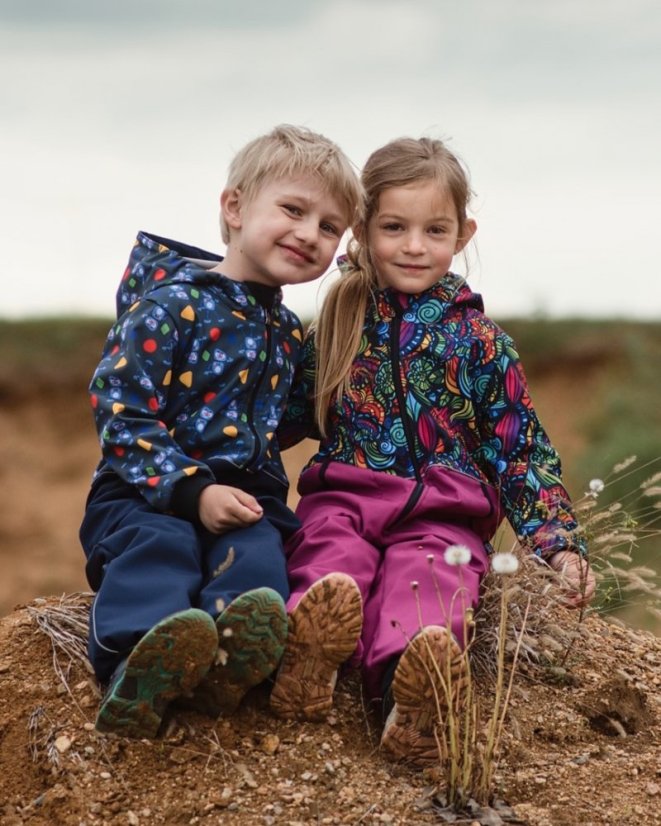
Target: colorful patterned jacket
436	382
194	376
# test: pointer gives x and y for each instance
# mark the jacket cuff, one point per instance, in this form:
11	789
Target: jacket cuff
185	496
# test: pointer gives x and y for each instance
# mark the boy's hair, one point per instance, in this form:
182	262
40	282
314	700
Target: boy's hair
401	162
287	152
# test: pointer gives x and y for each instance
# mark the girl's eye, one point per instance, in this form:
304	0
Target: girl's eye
437	230
329	228
391	227
294	210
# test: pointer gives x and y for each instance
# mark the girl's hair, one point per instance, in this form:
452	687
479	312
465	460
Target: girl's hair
287	152
401	162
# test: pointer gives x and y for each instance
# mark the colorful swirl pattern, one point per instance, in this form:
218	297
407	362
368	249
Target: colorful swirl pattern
467	407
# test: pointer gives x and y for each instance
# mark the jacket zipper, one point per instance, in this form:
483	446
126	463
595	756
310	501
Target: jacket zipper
258	386
399	392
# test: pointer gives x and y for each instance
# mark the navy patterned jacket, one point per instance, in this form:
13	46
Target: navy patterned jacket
194	376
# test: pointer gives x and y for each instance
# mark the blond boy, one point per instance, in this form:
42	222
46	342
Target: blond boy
185	522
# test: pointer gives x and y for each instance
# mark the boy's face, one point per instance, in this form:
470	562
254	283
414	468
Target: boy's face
287	233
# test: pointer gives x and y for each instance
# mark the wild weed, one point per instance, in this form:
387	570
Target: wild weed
522	624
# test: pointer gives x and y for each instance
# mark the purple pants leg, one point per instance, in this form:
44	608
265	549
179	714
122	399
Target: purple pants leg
364	524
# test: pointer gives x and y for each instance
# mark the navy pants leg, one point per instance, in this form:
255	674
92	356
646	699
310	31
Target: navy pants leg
145	565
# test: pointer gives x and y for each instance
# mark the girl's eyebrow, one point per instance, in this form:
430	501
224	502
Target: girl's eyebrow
392	216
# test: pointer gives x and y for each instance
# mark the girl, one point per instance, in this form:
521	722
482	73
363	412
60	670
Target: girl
428	439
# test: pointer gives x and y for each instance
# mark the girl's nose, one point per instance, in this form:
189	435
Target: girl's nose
414	243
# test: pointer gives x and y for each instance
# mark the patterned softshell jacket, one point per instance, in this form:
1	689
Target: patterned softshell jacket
436	382
194	371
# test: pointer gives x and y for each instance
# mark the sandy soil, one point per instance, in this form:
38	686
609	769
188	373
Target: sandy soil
582	752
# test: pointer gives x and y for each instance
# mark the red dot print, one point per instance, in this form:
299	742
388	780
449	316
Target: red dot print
149	346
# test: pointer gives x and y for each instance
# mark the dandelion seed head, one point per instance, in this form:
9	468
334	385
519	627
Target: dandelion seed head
457	555
504	563
596	486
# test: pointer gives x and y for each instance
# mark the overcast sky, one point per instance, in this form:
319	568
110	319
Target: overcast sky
123	115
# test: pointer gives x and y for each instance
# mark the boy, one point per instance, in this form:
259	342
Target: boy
184	525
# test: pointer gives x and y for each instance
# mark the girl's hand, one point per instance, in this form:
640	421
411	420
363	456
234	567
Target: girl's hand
577	577
222	508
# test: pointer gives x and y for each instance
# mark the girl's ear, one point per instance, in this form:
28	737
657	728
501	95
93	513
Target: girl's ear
358	232
468	231
230	207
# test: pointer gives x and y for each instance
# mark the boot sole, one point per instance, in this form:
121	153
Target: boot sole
430	675
324	629
169	660
252	632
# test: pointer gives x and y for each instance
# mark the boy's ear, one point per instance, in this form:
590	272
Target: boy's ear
230	207
468	231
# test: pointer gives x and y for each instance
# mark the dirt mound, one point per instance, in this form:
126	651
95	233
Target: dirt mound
584	751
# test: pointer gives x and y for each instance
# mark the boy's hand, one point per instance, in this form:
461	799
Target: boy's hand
222	508
577	577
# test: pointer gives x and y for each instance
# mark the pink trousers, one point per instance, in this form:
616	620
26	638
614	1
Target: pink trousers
387	533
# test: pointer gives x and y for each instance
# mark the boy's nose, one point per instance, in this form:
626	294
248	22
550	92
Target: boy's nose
307	232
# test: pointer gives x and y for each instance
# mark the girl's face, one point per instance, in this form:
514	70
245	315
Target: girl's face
413	235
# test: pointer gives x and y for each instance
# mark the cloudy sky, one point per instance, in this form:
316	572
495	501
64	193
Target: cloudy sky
122	116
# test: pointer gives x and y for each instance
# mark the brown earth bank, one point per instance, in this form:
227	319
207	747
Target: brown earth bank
583	751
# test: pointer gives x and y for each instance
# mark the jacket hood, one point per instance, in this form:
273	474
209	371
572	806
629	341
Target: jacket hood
156	262
450	293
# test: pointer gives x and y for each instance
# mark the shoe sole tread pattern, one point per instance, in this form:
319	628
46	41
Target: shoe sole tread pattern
430	660
252	632
324	629
170	660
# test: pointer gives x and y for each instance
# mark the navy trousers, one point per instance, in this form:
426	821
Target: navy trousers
144	565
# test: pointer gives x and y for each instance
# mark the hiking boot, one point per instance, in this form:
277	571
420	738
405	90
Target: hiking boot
169	660
426	687
324	629
252	631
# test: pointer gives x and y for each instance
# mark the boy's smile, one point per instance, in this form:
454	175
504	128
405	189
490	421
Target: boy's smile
287	233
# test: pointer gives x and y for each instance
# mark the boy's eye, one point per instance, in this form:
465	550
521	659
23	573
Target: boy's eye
331	229
294	210
437	230
392	226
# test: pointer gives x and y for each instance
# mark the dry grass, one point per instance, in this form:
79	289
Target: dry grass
523	626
